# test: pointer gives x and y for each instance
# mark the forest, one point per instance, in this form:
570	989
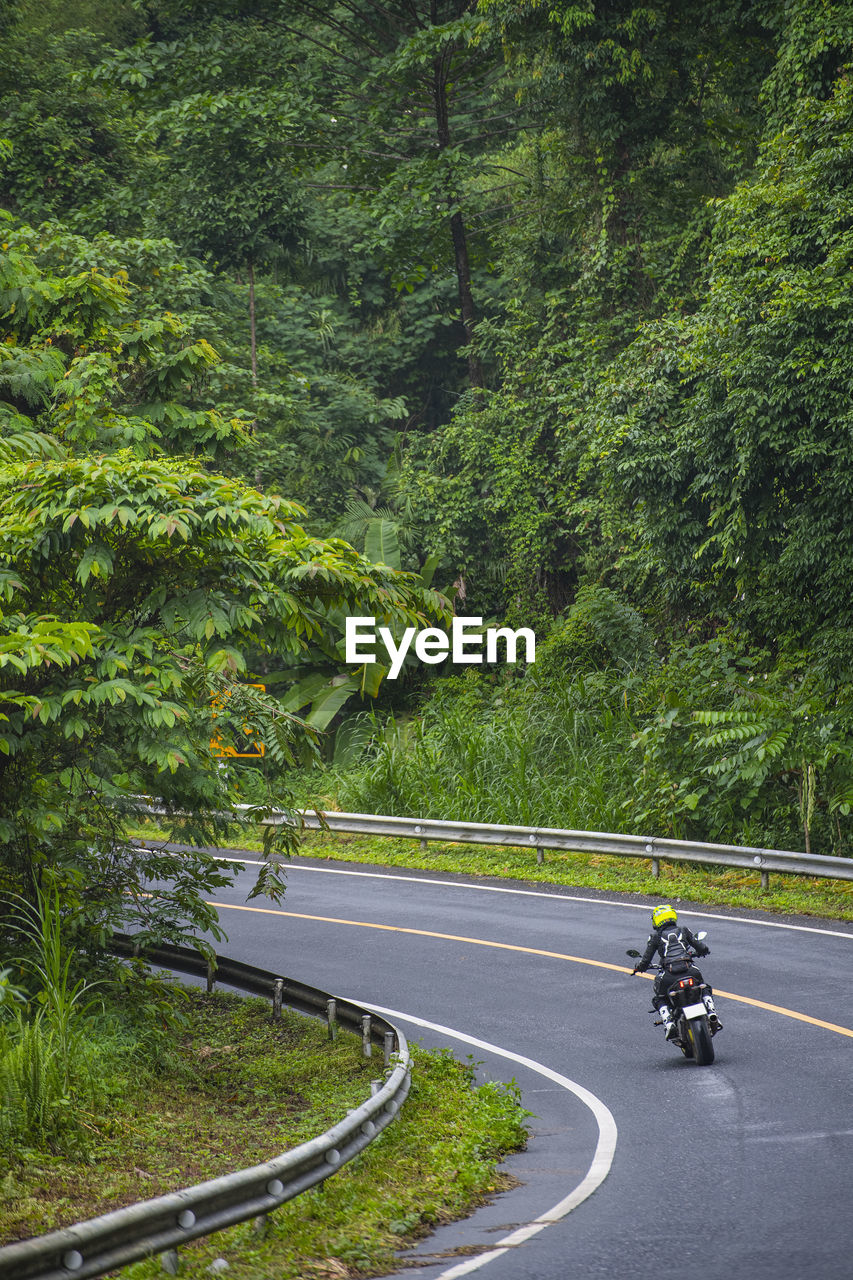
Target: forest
536	313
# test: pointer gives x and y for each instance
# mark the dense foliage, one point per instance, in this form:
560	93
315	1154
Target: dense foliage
547	304
135	580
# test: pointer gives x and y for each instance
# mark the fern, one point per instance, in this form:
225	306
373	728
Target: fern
600	630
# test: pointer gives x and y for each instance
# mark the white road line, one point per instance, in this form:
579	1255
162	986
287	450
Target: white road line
538	893
597	1172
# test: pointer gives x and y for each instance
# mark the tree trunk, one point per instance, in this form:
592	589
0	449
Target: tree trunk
457	227
466	298
253	343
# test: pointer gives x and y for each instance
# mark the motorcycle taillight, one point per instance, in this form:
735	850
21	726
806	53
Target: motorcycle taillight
686	982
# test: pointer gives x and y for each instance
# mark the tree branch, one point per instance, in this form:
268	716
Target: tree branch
324	18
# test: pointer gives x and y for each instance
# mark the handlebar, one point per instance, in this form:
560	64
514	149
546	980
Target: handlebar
659	968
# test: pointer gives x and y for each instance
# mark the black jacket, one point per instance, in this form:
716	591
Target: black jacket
670	941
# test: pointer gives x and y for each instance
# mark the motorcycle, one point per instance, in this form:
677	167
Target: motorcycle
690	1005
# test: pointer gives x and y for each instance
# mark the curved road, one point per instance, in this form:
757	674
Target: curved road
740	1169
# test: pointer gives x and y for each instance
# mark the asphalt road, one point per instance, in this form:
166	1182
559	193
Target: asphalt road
740	1169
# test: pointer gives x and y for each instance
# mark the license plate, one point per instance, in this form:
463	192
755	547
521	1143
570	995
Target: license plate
694	1010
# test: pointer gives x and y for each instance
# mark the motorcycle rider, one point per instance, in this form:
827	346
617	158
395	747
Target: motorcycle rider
671	942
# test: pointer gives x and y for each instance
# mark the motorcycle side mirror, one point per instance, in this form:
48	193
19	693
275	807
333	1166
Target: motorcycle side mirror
702	934
632	953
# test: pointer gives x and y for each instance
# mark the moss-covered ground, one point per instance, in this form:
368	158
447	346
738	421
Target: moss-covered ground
237	1087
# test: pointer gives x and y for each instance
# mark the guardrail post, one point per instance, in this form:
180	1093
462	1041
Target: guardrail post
423	844
210	973
366	1046
540	854
332	1018
765	880
389	1046
276	997
170	1262
656	868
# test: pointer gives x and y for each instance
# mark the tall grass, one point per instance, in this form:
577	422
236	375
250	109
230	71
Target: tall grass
546	757
48	1055
615	749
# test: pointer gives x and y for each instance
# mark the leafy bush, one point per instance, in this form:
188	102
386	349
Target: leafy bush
743	748
600	630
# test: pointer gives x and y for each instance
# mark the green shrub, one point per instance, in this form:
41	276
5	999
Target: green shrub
600	630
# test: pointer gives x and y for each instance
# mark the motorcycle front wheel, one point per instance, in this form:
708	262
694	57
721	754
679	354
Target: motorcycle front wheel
700	1038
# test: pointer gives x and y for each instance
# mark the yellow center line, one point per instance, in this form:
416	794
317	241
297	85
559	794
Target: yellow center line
529	951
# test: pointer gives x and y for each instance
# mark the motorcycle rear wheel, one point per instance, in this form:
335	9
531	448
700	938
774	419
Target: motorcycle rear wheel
700	1038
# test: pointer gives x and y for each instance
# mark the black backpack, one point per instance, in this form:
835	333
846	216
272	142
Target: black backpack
673	951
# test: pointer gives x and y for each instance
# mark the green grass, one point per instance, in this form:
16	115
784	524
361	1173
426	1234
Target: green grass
237	1089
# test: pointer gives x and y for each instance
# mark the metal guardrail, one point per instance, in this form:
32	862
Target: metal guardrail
657	848
540	839
158	1226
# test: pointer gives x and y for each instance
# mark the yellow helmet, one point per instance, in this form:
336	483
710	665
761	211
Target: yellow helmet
664	915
